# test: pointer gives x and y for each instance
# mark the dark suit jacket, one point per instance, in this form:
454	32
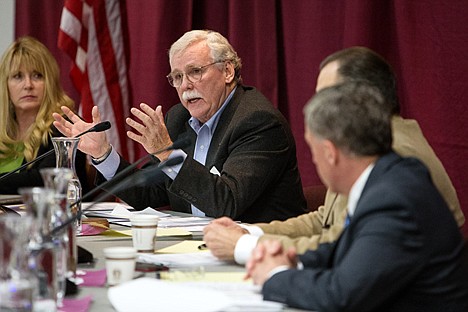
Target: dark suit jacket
31	177
402	251
253	149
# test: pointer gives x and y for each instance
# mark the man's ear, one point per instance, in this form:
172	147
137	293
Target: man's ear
331	152
229	71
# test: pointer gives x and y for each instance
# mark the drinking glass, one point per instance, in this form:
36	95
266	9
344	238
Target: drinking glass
17	284
58	180
45	250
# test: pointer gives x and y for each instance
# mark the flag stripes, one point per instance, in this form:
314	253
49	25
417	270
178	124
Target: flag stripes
91	34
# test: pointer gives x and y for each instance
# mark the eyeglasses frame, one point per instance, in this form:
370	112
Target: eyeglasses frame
170	79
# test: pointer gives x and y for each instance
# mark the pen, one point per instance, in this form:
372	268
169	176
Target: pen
202	247
150	267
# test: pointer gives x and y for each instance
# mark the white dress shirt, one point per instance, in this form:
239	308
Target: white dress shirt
247	242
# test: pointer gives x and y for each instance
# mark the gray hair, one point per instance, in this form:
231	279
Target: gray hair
351	116
221	49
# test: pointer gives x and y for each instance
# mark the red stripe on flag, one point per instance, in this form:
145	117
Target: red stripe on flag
87	102
108	60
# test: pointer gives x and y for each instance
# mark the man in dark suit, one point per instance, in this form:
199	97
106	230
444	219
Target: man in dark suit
242	160
389	257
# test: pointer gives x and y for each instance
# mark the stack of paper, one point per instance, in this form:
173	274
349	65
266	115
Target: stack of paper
120	214
117	212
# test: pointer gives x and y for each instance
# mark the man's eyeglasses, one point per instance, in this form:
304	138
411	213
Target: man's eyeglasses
193	74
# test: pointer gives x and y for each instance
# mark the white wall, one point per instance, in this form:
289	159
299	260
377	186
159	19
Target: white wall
7	23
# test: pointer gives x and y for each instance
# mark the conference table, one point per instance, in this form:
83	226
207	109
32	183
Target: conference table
95	244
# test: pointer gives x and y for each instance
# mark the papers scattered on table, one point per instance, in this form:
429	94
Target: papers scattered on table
184	222
109	211
103	206
117	211
191	224
139	295
183	254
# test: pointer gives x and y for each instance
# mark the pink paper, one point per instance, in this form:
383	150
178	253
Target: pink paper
76	305
95	278
87	230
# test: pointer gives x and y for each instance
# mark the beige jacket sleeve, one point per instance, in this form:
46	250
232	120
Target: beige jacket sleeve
307	231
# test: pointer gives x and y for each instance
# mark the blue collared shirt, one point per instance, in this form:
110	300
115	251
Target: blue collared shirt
202	145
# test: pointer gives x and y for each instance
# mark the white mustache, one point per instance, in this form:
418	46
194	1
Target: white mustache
190	94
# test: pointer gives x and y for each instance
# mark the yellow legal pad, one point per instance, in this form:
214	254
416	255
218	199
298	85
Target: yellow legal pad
186	246
186	276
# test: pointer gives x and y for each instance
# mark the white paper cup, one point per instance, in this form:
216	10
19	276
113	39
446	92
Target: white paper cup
144	230
120	264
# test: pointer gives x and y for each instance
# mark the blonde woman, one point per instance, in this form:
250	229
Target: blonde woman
30	92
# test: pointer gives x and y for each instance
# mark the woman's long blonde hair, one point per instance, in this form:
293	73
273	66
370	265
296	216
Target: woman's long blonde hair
29	52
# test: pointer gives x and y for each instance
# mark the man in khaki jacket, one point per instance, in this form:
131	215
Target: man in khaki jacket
228	240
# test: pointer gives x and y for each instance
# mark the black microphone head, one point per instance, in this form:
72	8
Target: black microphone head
102	126
181	142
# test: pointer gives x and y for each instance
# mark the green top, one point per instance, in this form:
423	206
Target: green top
12	163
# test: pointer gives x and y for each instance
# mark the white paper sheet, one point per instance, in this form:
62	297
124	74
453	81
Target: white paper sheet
147	294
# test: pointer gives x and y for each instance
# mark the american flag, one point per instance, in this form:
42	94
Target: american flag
91	33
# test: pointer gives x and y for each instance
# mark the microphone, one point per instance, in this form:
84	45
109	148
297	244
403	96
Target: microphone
139	178
102	126
180	143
